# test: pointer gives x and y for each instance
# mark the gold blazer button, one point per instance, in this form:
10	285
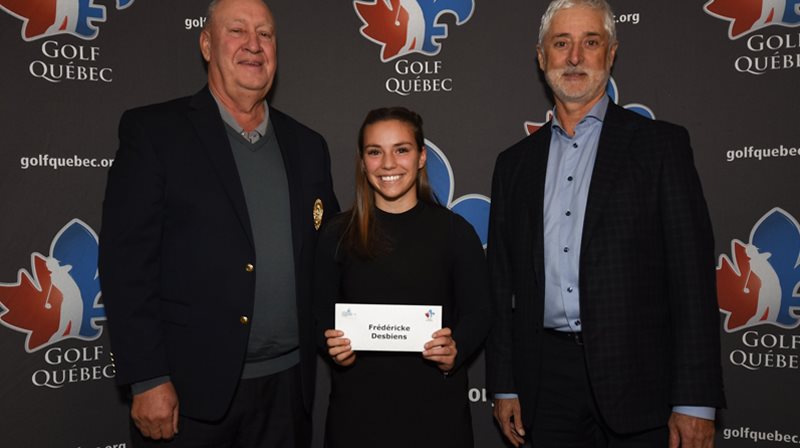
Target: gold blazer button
249	267
244	320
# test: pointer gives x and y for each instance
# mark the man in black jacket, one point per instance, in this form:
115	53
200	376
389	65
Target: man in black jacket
602	264
209	228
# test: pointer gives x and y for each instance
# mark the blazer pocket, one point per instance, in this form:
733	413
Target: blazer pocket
175	312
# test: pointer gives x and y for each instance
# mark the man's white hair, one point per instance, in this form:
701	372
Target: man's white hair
600	5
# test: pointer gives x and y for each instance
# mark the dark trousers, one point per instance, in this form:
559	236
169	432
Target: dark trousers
266	412
566	414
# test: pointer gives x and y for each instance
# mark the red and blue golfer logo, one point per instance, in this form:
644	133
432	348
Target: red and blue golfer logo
759	283
402	27
58	298
751	15
51	17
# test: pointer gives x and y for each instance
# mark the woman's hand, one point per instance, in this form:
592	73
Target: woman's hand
442	349
339	348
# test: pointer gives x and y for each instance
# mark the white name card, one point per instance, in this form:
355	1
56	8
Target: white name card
392	328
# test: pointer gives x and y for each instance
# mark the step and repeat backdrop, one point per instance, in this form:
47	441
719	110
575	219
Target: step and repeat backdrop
728	70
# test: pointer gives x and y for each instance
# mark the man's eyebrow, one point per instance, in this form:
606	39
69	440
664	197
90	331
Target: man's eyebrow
589	33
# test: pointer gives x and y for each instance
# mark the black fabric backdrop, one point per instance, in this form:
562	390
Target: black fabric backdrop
726	70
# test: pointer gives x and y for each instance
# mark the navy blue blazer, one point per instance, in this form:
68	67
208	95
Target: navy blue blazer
176	242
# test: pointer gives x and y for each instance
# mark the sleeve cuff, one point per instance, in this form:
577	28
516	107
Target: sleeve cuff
505	396
703	412
143	386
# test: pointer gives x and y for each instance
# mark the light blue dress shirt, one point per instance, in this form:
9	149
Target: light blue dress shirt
566	188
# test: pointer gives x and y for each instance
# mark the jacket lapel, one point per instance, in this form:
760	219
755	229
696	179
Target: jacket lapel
208	124
291	152
612	152
537	168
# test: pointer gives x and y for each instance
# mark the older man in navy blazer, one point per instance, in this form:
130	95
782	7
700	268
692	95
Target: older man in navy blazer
209	228
602	260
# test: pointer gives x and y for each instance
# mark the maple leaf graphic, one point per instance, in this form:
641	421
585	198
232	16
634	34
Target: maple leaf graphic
26	304
761	285
743	13
37	17
386	24
51	17
59	298
533	126
737	288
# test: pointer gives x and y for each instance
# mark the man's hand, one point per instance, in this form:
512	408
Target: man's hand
686	431
155	412
508	414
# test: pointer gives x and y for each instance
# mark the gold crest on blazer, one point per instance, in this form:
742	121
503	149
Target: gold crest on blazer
318	212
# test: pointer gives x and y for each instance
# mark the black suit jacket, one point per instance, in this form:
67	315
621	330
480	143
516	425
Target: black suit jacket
176	241
647	278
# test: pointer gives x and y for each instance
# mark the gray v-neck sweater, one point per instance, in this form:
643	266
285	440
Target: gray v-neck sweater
274	339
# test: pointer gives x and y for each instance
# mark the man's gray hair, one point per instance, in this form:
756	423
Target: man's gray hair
558	5
210	11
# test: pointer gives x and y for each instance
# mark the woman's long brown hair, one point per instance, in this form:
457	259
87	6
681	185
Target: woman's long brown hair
362	237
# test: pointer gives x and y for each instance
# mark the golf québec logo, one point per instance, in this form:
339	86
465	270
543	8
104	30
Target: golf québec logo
60	61
758	291
429	314
51	17
406	27
472	207
613	93
758	283
777	50
58	300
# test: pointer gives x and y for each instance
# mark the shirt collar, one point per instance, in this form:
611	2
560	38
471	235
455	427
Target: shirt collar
230	121
597	112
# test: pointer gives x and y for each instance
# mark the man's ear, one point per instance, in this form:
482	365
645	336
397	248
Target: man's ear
205	45
612	54
540	57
